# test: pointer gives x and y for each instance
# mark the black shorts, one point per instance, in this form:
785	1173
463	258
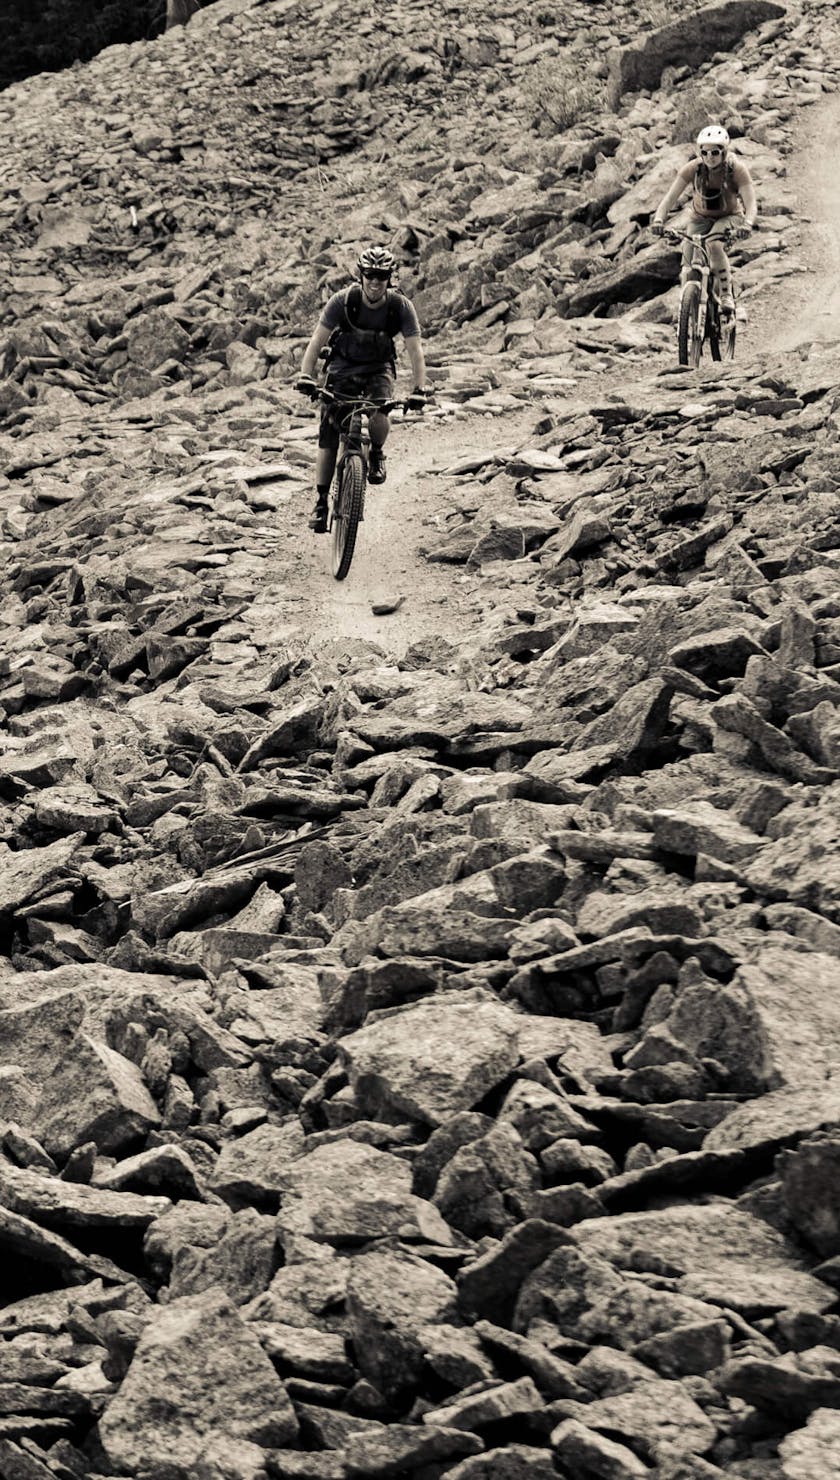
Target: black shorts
376	383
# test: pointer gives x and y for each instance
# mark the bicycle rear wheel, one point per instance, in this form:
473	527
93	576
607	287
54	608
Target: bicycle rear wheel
689	341
348	512
727	338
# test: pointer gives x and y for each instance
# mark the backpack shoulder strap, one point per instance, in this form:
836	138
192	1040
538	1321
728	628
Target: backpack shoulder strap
393	321
352	304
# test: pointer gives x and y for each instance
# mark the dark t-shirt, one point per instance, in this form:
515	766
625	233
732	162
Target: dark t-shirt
371	318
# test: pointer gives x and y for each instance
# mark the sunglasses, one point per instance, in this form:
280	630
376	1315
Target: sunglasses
710	153
377	277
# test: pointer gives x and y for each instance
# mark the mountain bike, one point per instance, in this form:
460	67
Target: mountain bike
347	496
701	320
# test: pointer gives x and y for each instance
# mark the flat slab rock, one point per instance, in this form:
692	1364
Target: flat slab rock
429	1060
345	1191
720	1253
513	1462
799	1006
402	1448
776	1118
56	1204
93	1094
254	1167
27	1243
29	871
392	1298
657	1417
582	1450
438	923
803	867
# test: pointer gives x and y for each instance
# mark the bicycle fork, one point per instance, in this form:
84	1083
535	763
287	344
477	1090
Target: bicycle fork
354	445
699	272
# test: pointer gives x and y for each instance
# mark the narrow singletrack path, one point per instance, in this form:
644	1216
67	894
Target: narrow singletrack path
402	516
805	307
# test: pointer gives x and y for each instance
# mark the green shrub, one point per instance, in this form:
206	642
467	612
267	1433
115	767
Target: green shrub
559	91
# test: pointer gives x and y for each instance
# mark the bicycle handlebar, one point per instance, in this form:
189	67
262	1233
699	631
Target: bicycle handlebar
350	404
356	403
725	237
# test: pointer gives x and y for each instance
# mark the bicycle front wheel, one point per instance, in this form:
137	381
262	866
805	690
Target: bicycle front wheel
713	329
689	341
348	512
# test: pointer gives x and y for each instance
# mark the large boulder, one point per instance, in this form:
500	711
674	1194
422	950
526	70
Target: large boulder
391	1297
811	1189
811	1453
717	1253
93	1094
685	43
198	1373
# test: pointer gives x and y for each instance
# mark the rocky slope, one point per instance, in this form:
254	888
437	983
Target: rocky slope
417	1058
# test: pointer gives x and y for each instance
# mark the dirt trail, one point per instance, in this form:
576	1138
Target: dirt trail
805	307
401	516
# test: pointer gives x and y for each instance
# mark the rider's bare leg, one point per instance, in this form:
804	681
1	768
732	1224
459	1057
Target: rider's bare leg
380	426
720	267
325	466
718	260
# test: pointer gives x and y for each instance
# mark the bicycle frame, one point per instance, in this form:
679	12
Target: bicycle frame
708	312
347	500
701	265
350	414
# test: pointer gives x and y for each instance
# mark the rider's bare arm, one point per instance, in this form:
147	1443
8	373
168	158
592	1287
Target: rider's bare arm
742	180
681	182
313	349
414	350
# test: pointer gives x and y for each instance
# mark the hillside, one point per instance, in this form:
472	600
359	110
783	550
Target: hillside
419	1028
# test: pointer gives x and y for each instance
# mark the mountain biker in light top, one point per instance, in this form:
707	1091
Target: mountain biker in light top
723	200
359	324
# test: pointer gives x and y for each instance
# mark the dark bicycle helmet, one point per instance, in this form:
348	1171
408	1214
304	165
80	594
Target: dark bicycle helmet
376	259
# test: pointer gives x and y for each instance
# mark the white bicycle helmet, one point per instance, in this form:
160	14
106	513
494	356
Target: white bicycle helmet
715	135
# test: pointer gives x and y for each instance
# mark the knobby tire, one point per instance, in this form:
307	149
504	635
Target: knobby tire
713	330
689	343
727	340
347	514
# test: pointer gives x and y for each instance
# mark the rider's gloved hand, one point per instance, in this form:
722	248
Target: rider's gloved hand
307	387
418	398
658	228
744	229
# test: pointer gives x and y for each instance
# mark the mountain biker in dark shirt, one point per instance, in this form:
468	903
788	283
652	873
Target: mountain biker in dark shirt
362	363
723	200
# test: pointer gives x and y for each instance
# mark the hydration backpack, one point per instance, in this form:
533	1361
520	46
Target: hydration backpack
714	196
366	346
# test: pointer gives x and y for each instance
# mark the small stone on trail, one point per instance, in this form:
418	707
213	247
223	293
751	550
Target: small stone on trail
385	608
